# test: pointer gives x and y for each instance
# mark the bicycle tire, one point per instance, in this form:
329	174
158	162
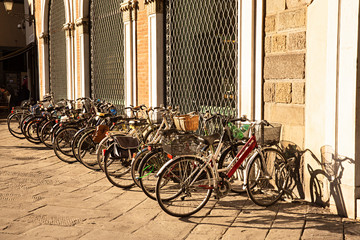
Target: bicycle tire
267	178
45	133
150	134
14	125
76	140
41	125
117	170
237	180
176	197
103	145
32	130
62	144
24	122
86	151
148	168
135	165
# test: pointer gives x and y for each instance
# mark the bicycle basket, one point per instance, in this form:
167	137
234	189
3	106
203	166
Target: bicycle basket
155	116
127	142
183	145
187	122
268	135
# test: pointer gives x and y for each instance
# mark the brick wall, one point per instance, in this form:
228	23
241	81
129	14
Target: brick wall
284	66
142	55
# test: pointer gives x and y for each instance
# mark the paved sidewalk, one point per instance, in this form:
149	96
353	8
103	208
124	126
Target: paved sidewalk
44	198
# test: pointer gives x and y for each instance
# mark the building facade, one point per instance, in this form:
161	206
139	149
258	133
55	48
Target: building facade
292	62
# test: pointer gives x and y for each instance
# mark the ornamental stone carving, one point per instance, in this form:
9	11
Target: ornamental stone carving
154	6
129	8
82	25
68	28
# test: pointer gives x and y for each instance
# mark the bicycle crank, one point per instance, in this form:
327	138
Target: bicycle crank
223	188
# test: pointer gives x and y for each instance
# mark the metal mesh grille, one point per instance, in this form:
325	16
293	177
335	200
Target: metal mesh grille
107	52
57	50
201	55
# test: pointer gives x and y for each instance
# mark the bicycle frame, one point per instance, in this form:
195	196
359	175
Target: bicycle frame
240	157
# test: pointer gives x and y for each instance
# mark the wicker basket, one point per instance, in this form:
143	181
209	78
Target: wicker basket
187	122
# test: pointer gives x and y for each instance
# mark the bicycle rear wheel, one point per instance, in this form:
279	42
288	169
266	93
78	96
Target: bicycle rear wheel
87	151
181	190
117	169
267	178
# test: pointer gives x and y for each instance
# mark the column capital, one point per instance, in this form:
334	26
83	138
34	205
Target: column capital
129	7
68	28
45	37
82	25
154	6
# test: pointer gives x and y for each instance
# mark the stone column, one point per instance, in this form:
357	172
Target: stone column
82	27
69	33
44	71
155	9
128	8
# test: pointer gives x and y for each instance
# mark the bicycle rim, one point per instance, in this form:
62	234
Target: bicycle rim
45	134
135	165
174	191
267	178
149	167
62	145
117	170
14	126
87	151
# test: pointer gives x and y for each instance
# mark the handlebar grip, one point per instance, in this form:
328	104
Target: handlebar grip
266	123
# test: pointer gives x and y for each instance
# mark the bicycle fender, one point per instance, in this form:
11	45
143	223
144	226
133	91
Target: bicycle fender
173	160
247	168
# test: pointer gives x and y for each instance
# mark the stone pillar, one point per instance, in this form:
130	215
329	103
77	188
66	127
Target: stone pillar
284	67
82	27
44	53
155	10
128	8
250	54
69	29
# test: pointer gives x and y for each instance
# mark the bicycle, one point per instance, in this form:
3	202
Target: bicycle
186	183
159	154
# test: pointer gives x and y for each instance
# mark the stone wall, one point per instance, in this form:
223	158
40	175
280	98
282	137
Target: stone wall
284	66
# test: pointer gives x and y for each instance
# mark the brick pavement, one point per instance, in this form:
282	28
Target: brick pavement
44	198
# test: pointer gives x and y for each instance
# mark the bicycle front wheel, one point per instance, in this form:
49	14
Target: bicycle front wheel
184	186
267	177
62	144
14	125
149	167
